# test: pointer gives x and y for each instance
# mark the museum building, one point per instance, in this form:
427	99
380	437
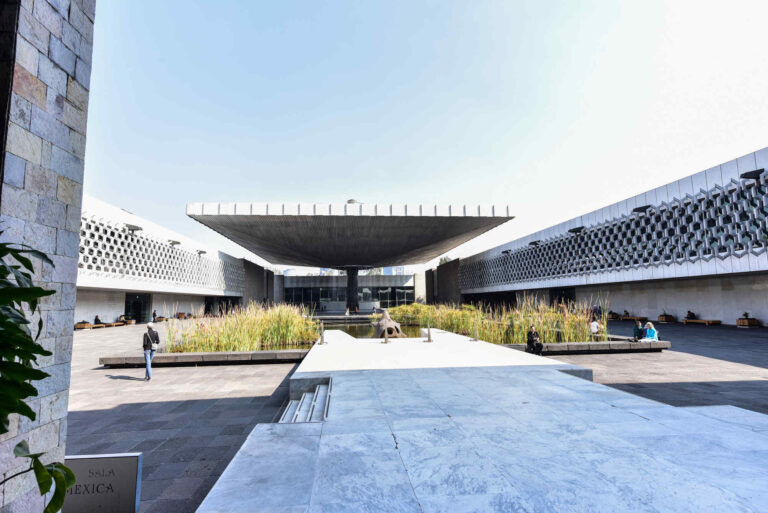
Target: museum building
698	243
129	266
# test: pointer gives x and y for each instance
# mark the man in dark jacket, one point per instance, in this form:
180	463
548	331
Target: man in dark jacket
638	333
533	344
150	344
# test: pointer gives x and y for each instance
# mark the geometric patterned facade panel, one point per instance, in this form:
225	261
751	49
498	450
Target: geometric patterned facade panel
726	221
111	249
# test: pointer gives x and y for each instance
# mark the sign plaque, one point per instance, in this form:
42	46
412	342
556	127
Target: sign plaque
106	483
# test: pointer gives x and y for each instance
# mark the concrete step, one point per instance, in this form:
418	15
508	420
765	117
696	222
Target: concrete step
317	414
305	408
290	411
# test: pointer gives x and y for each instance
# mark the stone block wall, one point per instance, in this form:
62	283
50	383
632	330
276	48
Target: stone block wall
107	304
48	69
448	283
255	283
724	298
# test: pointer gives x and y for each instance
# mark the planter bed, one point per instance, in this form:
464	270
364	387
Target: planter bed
224	358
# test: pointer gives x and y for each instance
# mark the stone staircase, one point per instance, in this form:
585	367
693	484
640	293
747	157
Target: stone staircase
311	407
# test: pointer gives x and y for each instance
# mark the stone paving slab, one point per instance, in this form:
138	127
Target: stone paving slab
706	366
188	421
499	438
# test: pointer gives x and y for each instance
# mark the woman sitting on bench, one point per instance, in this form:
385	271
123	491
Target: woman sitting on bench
651	335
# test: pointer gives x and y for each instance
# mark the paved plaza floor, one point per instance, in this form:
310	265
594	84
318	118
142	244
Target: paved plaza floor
525	437
188	421
712	365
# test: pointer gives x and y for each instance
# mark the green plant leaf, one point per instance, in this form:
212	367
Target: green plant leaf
69	476
19	352
57	500
9	295
34	253
44	479
21	450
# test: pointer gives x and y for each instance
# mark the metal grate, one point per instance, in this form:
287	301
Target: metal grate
722	222
112	249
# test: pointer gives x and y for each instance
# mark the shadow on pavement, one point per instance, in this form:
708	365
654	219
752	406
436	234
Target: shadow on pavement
728	343
751	395
186	444
130	378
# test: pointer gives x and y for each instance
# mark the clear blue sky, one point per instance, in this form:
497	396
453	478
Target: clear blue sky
555	107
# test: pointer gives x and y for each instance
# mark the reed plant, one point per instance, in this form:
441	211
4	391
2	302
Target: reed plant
252	328
509	325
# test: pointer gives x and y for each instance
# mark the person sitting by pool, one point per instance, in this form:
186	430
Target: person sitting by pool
533	343
96	320
650	333
690	316
639	332
594	328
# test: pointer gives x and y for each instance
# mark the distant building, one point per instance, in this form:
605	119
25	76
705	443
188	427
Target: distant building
131	266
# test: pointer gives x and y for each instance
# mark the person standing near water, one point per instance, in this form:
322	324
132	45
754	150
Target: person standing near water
150	343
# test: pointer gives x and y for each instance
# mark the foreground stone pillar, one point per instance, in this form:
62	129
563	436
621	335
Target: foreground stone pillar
353	302
45	71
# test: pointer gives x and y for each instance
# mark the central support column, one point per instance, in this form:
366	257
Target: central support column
353	302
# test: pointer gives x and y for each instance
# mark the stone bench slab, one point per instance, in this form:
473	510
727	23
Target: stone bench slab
613	346
223	358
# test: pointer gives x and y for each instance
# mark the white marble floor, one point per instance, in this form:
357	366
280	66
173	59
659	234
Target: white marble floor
501	439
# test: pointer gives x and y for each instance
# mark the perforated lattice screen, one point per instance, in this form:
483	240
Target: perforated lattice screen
114	250
723	222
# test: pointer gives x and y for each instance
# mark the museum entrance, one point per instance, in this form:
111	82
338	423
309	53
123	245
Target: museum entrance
562	296
137	307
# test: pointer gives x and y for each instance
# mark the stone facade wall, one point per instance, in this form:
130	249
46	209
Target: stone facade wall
269	279
724	298
419	288
168	305
429	285
448	283
40	202
255	286
279	285
107	304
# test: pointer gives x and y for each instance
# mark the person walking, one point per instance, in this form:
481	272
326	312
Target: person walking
533	343
154	315
151	343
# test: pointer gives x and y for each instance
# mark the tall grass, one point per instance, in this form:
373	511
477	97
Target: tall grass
251	328
503	325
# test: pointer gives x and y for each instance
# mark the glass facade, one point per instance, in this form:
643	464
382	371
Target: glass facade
314	297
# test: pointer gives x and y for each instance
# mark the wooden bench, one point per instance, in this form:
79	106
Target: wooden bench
634	318
705	322
113	324
98	326
83	326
